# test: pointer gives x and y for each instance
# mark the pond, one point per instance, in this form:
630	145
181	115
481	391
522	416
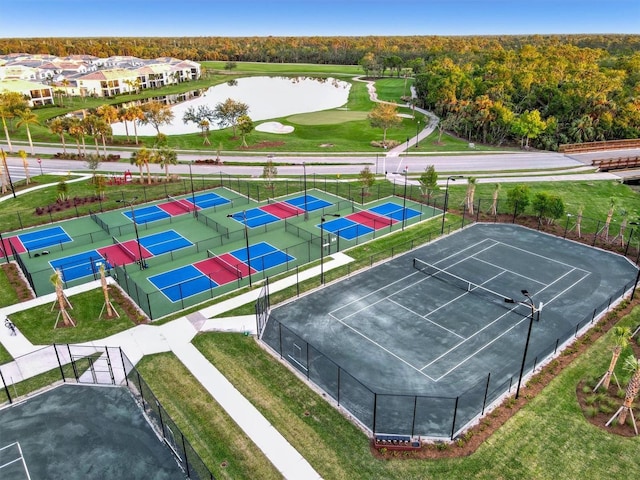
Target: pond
267	98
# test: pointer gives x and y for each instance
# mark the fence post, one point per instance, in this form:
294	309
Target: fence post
6	389
455	414
486	393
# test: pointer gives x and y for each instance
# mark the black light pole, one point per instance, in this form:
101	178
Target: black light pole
417	132
40	164
446	199
322	220
404	200
566	225
246	236
193	194
135	228
626	250
306	212
530	304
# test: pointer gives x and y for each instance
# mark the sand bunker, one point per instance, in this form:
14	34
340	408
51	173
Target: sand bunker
274	127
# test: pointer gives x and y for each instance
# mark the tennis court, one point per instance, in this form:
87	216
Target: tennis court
423	343
82	433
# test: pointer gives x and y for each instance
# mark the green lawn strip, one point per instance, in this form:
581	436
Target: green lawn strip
548	439
392	89
37	323
282	68
8	294
5	357
212	433
593	196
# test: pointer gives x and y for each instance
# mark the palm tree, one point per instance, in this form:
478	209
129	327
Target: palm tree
25	165
620	340
631	364
63	301
108	113
135	115
27	117
607	223
166	156
111	312
471	190
140	158
10	103
123	116
58	126
77	130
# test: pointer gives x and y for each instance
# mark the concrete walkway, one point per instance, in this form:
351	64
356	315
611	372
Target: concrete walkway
176	336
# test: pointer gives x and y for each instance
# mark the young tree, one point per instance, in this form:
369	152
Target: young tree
428	182
607	223
518	198
245	125
63	301
547	207
201	116
469	194
494	203
99	185
384	116
228	112
27	118
620	339
631	364
528	125
269	174
77	130
25	165
142	158
156	114
63	190
367	179
111	311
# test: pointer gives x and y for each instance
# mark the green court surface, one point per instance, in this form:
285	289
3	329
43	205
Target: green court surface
415	350
84	432
202	239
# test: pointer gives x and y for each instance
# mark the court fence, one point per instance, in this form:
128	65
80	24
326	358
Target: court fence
389	413
95	365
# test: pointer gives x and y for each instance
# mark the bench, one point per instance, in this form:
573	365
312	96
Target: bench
396	442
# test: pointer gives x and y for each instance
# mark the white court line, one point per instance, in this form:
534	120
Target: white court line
508	330
426	318
541	256
509	271
383	349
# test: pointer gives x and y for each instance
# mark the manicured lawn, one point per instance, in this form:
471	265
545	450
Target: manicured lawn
8	294
37	323
5	357
213	434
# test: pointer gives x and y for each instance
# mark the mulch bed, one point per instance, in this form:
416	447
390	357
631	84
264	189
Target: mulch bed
17	282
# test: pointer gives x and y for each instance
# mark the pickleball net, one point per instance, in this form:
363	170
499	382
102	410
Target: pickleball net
377	218
183	204
124	249
464	284
284	207
224	264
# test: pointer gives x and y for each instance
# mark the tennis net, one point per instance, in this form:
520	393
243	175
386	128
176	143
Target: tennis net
463	284
224	264
124	249
183	204
282	206
377	218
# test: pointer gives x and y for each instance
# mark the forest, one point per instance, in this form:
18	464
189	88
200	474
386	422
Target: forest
540	91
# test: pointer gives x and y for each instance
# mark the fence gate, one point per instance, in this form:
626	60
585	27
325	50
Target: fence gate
95	369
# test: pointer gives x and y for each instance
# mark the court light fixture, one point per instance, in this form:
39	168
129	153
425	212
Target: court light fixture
453	178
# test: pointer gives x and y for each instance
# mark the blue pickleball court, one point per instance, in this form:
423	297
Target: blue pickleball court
164	242
81	265
146	214
312	203
208	200
263	256
345	228
182	282
44	238
256	217
395	211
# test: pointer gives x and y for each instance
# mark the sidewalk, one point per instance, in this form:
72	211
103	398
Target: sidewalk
176	336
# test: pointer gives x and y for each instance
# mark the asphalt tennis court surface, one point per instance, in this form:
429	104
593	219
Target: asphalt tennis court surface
82	433
400	331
